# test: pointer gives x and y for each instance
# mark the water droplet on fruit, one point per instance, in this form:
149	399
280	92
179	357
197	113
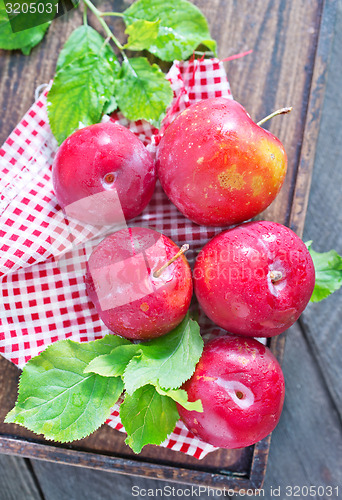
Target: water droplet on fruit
269	237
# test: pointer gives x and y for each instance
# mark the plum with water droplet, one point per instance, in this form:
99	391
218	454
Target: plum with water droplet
255	279
138	289
217	166
241	386
103	174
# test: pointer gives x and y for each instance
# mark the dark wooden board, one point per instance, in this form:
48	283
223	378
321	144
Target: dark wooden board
322	321
307	443
291	45
303	452
16	480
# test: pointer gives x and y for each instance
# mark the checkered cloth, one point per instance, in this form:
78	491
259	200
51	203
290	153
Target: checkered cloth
42	258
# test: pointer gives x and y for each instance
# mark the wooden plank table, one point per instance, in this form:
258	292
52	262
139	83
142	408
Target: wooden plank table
291	43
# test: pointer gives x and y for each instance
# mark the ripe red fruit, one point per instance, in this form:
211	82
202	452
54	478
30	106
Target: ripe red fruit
103	174
217	166
255	279
120	280
242	389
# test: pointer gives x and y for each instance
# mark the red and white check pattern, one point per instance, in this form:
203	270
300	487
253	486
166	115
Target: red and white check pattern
41	266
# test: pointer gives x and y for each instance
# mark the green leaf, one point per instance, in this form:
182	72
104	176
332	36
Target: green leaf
110	106
142	91
113	364
328	270
142	34
57	399
181	396
167	361
24	40
182	27
78	95
83	84
84	41
147	417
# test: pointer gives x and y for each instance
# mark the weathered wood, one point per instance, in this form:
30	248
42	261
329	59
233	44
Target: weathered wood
307	443
74	483
313	116
16	480
281	71
322	321
155	468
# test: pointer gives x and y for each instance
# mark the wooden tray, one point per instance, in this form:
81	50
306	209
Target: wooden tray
291	45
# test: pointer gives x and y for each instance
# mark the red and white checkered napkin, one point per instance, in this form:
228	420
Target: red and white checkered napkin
41	254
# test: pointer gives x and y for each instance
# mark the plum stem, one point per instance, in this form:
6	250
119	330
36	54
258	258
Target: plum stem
276	276
183	249
281	111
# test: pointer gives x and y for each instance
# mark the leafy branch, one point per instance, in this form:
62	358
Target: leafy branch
67	391
104	25
90	80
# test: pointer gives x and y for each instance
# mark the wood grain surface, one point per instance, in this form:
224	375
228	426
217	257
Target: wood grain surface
291	45
16	479
321	322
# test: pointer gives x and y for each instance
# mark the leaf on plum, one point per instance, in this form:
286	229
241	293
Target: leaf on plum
181	396
148	417
110	106
142	91
115	363
57	399
166	361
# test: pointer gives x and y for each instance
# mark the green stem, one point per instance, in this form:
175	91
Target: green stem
105	43
281	111
116	14
85	21
104	25
206	53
